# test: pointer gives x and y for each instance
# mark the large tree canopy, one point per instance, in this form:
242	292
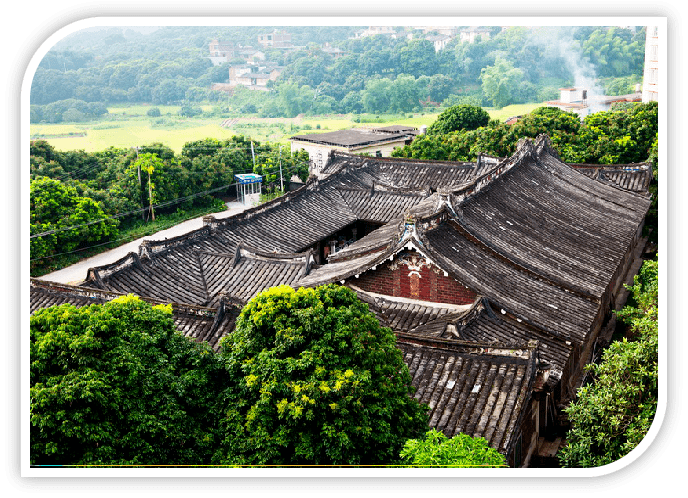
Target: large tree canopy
317	380
609	137
459	117
62	220
117	384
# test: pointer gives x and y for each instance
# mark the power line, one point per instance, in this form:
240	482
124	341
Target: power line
113	241
163	204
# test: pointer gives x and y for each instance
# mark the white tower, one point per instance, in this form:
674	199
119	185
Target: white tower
651	71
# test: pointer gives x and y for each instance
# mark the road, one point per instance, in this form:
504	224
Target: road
77	272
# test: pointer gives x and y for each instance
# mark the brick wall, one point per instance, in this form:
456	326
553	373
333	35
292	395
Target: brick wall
410	276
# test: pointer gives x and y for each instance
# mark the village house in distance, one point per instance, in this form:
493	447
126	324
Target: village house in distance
498	276
378	142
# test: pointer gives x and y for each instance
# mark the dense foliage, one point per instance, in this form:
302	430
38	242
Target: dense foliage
376	74
62	220
317	381
77	189
117	384
608	137
459	117
462	450
613	414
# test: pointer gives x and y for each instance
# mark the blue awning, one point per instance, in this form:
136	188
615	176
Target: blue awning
248	178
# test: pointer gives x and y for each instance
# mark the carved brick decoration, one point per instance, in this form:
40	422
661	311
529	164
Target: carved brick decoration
410	275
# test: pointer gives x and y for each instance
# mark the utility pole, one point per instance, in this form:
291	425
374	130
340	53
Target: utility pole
143	205
150	195
280	166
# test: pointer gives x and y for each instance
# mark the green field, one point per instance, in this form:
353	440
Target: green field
129	126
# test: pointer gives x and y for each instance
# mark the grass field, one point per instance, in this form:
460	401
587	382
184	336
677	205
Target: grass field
129	126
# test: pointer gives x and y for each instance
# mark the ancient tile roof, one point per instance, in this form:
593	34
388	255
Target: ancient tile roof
379	205
522	293
354	137
538	241
291	225
403	173
246	272
407	315
361	189
479	322
537	238
199	323
471	388
534	236
44	294
174	275
631	177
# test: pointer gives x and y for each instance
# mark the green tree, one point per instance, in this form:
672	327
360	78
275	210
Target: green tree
418	57
439	87
317	381
117	384
500	81
295	99
62	221
614	51
376	96
459	117
462	450
620	136
148	163
403	94
611	416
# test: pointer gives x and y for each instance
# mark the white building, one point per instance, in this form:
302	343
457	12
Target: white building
651	71
469	35
379	142
577	100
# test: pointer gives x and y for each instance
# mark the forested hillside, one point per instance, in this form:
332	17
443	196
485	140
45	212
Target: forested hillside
89	70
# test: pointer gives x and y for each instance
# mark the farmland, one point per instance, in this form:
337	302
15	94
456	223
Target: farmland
129	126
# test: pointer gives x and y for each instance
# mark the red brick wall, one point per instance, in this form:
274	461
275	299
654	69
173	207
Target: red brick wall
397	279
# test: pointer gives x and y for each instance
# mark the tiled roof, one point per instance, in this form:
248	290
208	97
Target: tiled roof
524	294
572	232
531	234
478	322
476	389
199	323
409	173
541	241
379	205
362	189
351	138
537	240
631	177
246	272
291	224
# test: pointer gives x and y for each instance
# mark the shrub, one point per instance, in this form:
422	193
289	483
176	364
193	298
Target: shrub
462	450
612	415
